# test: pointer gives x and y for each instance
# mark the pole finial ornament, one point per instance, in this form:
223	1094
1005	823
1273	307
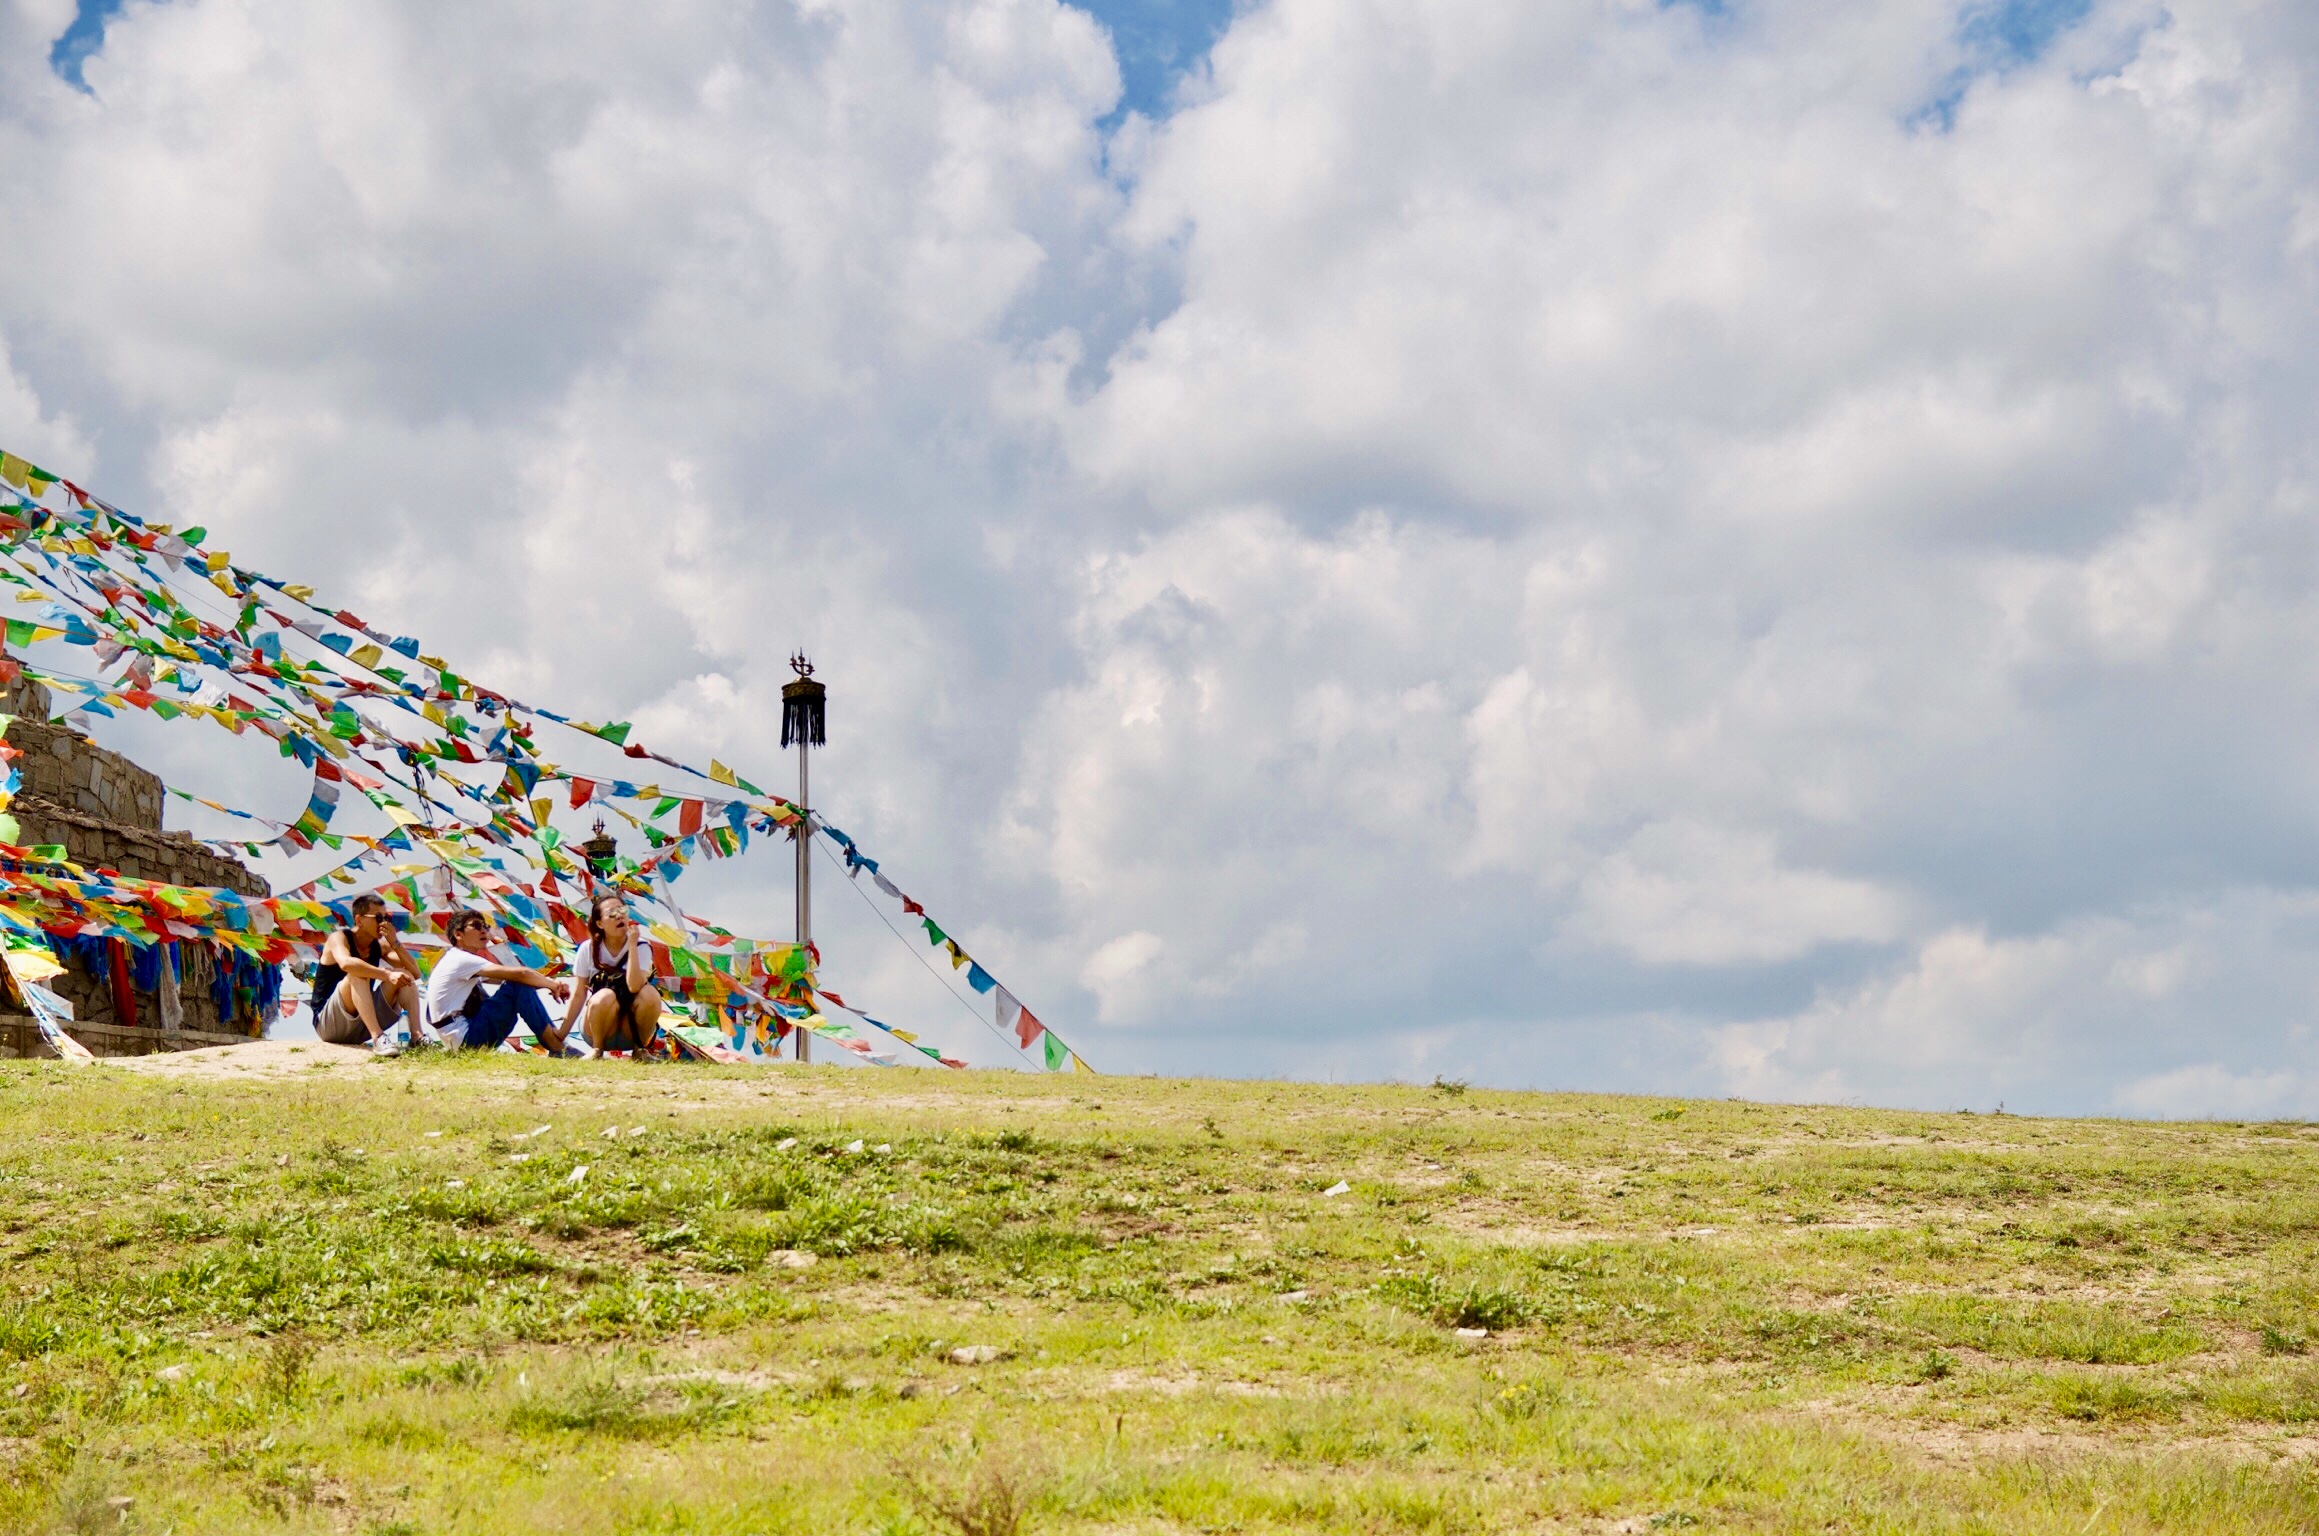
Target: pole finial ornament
803	711
600	851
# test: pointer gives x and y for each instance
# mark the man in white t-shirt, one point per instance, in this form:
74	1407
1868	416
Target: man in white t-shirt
472	1015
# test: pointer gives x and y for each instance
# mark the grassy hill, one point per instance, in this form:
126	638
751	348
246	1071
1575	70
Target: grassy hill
433	1296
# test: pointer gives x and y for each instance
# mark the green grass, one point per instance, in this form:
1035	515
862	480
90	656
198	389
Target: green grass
285	1305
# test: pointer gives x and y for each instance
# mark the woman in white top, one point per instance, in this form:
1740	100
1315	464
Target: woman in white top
615	1002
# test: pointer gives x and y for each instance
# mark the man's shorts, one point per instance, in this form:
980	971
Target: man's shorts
341	1025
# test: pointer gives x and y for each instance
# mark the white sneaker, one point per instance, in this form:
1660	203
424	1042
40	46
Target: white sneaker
386	1045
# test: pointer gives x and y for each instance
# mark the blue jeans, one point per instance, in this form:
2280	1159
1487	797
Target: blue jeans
494	1018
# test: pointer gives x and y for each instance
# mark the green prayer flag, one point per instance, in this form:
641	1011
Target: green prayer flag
1058	1054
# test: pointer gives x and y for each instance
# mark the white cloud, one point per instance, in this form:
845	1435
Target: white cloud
1119	973
1683	894
32	431
1970	1018
2210	1090
1569	542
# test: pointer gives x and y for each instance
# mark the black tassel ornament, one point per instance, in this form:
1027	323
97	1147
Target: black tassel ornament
804	716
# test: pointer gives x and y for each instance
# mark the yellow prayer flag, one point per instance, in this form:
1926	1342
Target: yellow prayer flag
34	964
303	594
367	656
1080	1066
16	472
217	561
723	775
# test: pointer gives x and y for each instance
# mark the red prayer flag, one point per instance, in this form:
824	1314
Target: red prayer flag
688	820
581	790
1028	1028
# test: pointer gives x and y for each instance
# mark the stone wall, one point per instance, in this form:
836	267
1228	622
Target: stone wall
105	811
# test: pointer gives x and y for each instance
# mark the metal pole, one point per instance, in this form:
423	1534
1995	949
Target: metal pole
802	722
804	876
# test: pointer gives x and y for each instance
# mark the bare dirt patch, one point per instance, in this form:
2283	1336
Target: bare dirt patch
259	1058
1184	1383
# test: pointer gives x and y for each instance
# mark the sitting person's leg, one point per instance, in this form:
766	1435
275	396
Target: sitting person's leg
490	1016
533	1011
358	1013
339	1022
407	1003
604	1025
647	1016
386	1010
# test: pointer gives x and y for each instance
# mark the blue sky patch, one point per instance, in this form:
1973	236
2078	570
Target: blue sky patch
84	37
1997	36
1157	42
2019	31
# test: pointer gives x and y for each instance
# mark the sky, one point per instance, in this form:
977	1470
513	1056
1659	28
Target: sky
1750	548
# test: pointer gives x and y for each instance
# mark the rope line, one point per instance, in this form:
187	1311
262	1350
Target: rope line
972	1011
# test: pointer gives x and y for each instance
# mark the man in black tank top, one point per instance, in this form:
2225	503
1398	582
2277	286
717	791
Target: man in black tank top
366	983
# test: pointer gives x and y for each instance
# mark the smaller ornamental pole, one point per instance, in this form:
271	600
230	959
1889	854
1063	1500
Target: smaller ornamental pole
600	851
804	722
